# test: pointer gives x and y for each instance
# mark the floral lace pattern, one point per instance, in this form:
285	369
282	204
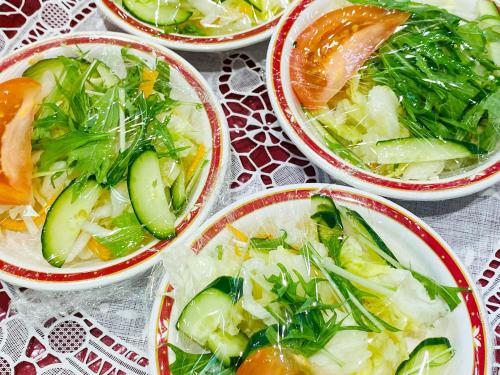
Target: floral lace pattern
26	21
64	345
262	156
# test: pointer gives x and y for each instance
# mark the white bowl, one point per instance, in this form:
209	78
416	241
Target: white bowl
292	118
129	23
467	326
28	269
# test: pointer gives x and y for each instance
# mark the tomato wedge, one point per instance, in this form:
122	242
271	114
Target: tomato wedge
333	48
19	100
274	361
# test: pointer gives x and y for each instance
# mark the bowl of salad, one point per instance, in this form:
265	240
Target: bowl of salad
399	98
197	25
112	150
349	283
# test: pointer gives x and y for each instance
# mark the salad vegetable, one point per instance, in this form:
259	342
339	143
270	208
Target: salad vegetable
333	299
204	17
19	99
100	158
404	89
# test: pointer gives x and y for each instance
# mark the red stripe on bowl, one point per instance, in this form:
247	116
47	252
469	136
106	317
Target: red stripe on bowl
162	332
471	303
332	159
211	178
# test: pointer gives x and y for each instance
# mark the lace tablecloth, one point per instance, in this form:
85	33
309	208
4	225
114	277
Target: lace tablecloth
104	332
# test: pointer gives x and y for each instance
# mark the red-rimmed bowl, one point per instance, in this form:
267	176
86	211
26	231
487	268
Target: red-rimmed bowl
293	120
20	266
413	241
127	22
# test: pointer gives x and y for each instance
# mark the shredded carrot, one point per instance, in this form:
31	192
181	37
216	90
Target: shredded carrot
237	233
237	251
100	251
242	254
18	225
148	81
200	153
13	225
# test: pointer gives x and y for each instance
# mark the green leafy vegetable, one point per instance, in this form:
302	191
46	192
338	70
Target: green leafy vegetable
161	131
334	143
329	233
58	148
269	243
438	66
353	296
303	322
447	293
127	238
118	169
162	83
196	364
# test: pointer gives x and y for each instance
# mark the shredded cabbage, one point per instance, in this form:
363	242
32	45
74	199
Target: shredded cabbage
401	309
388	351
347	353
409	308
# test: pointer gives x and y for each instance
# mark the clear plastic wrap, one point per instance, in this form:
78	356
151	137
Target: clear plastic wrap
124	152
396	97
202	18
316	279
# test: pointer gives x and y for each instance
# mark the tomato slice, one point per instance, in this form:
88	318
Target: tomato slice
19	100
334	47
274	361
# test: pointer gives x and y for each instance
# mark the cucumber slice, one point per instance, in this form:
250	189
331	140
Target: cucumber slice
322	202
157	12
65	220
232	286
178	191
416	150
227	348
147	194
327	218
355	226
204	317
427	357
47	72
489	8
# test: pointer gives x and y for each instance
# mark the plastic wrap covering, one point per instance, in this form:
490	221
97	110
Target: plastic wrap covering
203	18
400	98
317	279
112	150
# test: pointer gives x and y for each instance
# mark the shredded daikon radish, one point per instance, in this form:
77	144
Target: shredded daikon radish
95	229
30	224
86	254
102	212
119	199
80	244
